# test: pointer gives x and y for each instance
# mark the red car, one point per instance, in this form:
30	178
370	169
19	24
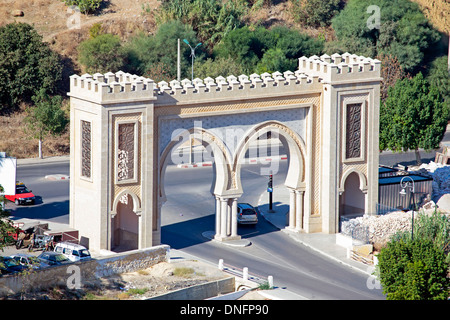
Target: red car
22	196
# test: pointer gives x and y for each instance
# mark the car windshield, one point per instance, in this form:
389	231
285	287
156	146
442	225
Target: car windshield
60	258
84	253
248	212
9	262
20	190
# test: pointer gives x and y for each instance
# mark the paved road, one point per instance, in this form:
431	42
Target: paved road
52	197
272	252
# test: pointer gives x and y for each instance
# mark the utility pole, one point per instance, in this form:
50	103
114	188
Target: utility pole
178	63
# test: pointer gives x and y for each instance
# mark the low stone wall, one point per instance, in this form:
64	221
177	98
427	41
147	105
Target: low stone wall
200	292
74	275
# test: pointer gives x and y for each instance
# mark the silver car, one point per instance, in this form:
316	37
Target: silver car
246	214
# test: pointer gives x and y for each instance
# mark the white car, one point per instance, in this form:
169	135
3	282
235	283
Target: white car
74	252
246	214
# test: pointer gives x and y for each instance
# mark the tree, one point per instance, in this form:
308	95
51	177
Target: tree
391	72
439	76
46	117
314	13
243	46
273	60
102	53
147	53
413	116
26	63
404	32
247	46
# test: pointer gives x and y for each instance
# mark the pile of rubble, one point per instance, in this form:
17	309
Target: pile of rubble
440	174
380	228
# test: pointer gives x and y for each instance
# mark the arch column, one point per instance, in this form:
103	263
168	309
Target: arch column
226	218
299	210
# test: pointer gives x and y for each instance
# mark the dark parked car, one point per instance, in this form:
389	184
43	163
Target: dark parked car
30	261
8	266
54	258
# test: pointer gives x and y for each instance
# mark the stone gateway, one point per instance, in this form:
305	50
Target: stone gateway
124	129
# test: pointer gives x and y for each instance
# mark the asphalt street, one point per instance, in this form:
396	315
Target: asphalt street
293	266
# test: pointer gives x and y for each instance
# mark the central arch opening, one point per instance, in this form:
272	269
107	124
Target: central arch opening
283	142
193	167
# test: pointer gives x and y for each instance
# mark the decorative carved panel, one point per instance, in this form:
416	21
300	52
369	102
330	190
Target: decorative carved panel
126	152
86	149
353	131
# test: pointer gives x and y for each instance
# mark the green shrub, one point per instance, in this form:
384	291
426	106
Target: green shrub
102	54
413	270
95	30
214	68
86	6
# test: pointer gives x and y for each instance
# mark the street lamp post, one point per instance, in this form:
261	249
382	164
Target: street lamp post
192	55
410	186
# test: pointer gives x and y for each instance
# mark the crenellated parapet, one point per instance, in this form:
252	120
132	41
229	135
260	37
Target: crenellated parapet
112	87
235	88
341	68
119	87
312	73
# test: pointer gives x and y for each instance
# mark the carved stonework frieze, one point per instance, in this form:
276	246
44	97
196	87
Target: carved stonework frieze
353	130
85	149
125	159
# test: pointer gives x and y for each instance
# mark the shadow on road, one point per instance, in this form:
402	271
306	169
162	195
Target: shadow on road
189	233
40	210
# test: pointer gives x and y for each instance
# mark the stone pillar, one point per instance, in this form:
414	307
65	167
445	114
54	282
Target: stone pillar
234	218
223	217
291	209
218	216
228	217
299	210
